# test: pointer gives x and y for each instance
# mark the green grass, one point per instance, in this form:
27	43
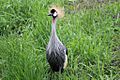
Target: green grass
92	36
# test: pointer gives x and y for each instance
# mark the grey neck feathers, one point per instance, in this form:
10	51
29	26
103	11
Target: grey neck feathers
54	40
53	31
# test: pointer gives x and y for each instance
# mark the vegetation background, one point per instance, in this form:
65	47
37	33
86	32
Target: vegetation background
90	29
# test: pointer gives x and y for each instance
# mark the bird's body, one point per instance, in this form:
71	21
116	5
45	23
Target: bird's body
56	52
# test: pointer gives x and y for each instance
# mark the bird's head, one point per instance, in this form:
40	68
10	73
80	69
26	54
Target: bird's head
56	11
53	13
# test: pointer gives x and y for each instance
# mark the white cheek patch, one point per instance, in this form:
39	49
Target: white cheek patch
55	14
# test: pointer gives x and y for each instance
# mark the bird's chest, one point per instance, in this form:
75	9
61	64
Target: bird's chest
54	49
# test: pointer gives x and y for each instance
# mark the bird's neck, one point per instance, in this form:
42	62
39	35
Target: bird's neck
53	34
54	38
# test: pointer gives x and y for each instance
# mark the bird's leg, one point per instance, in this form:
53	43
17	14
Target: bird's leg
49	70
61	70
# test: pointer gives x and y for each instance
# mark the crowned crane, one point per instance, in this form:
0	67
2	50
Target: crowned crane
56	52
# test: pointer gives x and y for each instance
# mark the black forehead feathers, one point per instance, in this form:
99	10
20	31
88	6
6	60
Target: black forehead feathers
53	10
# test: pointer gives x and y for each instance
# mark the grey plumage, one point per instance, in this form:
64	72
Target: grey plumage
56	52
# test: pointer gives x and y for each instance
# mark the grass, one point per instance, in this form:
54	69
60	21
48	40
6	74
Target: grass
91	35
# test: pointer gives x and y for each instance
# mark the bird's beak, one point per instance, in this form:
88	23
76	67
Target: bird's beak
50	14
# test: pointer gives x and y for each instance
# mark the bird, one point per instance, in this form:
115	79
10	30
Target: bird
56	52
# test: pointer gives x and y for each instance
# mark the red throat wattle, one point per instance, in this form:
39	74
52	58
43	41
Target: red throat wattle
53	20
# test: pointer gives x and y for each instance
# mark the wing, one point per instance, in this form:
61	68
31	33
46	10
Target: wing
63	52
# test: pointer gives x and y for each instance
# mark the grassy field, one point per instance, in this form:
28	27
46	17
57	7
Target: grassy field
90	30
